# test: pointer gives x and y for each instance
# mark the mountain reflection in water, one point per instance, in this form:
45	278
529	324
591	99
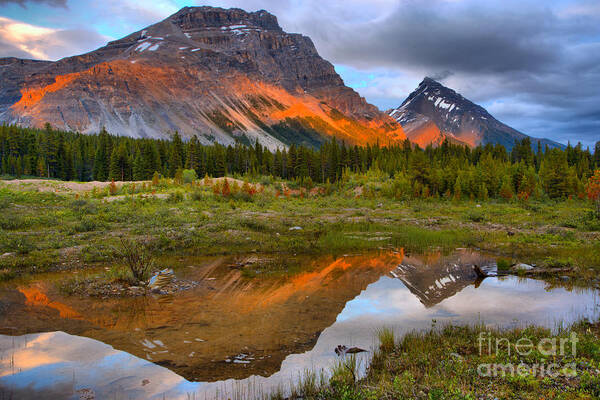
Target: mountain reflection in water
244	336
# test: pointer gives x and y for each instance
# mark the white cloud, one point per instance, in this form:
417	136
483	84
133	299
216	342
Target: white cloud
20	39
25	37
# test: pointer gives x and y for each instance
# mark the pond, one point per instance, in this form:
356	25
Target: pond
242	335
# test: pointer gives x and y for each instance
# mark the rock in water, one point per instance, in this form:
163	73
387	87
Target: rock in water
161	279
523	267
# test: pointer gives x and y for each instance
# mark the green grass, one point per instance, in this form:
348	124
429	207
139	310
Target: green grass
445	363
387	340
191	220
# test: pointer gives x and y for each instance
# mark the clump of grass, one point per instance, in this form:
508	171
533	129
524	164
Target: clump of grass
475	216
309	385
72	285
19	244
345	371
137	258
14	222
387	339
6	274
86	224
419	239
176	197
552	262
503	264
4	203
120	273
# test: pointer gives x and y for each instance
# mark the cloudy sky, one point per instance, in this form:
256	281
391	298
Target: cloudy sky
533	64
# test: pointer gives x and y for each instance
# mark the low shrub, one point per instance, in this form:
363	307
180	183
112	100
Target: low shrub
189	176
137	258
18	244
176	197
475	216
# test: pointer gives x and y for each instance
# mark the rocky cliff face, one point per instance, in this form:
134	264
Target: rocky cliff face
224	75
433	113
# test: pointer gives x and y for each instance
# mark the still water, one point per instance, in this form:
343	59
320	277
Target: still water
239	336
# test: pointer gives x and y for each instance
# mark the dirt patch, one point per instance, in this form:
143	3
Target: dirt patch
46	185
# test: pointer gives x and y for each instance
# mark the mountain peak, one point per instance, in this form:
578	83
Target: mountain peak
434	108
429	81
216	17
224	75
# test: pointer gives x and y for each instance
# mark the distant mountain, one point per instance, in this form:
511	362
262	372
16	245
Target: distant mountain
225	75
434	112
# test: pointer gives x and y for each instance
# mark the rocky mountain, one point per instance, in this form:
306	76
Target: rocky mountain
225	75
433	113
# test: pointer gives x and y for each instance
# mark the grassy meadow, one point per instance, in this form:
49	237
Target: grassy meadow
47	226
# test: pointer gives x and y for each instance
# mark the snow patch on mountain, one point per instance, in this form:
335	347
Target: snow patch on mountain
143	46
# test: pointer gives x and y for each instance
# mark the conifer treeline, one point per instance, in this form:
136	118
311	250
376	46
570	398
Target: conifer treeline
481	172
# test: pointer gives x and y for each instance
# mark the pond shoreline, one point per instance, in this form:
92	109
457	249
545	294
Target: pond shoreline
239	330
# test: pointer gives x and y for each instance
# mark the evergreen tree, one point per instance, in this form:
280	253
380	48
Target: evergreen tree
177	154
193	155
119	163
102	157
554	173
139	172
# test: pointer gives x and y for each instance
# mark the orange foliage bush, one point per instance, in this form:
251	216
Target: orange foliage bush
593	189
112	188
226	190
523	196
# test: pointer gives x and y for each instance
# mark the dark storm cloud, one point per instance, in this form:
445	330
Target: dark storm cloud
457	37
55	3
545	60
441	76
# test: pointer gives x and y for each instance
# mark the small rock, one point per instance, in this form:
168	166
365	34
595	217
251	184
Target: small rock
7	255
523	267
296	228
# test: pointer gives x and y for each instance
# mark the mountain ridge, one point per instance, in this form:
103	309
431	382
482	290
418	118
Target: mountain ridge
225	75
